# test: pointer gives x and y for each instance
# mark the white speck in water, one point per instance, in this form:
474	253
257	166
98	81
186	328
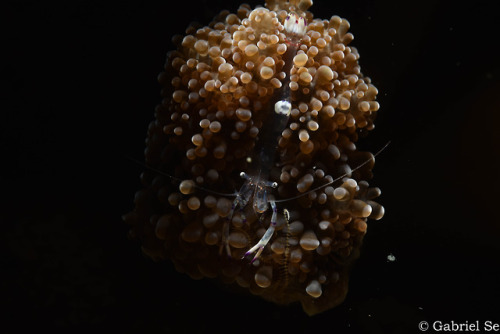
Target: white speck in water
391	258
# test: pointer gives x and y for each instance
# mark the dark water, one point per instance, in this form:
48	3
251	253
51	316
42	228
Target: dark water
80	90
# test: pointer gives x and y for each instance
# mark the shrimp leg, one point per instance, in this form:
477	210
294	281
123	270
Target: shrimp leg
241	200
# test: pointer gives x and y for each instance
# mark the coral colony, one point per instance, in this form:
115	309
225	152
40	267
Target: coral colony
254	177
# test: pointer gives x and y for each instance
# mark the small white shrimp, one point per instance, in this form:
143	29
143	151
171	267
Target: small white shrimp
256	184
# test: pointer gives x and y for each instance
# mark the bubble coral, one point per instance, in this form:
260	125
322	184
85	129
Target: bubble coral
217	86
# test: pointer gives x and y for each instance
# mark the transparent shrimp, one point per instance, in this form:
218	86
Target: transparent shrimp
257	184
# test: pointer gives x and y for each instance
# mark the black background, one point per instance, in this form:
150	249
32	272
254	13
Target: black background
79	91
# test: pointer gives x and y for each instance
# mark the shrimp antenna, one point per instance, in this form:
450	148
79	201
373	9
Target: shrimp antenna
338	178
173	178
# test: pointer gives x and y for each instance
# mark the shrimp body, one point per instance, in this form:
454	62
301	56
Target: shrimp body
257	184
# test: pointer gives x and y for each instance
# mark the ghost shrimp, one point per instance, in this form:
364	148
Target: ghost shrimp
257	185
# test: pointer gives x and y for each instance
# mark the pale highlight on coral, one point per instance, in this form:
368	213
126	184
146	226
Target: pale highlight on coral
218	86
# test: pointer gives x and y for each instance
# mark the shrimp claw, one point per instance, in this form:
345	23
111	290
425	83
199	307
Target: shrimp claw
259	247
